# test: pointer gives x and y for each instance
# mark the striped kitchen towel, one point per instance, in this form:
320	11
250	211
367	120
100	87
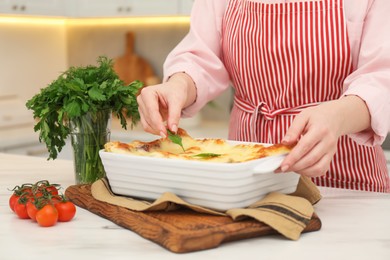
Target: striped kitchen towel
286	213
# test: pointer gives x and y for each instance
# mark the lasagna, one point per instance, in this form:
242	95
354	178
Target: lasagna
207	149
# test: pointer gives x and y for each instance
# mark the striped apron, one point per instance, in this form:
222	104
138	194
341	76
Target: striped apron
283	58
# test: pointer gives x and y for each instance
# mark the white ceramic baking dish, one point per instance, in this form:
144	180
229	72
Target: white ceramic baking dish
219	186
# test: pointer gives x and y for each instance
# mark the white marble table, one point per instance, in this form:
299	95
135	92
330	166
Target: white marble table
356	225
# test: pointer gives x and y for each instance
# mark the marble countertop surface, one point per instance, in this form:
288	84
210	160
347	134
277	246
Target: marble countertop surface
355	225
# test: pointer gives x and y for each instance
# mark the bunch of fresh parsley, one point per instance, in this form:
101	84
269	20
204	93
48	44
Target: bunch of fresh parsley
74	93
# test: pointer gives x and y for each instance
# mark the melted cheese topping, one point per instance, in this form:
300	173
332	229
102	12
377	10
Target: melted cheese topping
213	150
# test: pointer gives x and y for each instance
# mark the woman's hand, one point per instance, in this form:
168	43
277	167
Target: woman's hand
164	102
317	130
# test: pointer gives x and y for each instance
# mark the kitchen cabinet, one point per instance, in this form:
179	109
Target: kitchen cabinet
16	128
122	8
38	150
36	7
95	8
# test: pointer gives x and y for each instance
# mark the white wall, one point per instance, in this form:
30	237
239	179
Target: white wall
152	41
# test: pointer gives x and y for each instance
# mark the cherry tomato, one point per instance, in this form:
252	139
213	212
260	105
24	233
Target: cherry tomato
51	189
18	192
12	200
27	190
56	199
32	210
45	188
66	210
20	208
47	216
38	194
36	201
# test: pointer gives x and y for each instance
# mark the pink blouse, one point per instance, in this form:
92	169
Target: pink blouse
198	54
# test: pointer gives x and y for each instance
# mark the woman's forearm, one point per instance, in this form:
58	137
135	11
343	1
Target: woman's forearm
355	114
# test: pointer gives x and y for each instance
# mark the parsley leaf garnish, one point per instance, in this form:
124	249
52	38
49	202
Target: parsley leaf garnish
207	155
176	139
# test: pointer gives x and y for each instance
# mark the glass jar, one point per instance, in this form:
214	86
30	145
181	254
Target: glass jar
88	134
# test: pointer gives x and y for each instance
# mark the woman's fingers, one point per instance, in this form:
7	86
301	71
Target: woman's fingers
174	114
301	149
315	162
319	168
316	134
161	103
149	107
296	129
147	127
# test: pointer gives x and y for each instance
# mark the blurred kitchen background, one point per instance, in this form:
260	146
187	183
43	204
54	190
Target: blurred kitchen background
39	39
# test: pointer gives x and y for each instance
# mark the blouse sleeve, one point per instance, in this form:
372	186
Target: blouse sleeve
199	54
371	79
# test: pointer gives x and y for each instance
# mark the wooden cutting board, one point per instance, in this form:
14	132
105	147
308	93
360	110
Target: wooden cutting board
179	231
131	66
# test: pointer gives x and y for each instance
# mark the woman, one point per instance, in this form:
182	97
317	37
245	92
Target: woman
312	72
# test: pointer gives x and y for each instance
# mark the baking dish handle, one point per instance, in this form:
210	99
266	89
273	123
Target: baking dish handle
269	164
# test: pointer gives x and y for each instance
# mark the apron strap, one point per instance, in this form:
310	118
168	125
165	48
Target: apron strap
264	110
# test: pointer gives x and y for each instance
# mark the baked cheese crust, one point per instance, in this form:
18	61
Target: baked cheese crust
207	149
